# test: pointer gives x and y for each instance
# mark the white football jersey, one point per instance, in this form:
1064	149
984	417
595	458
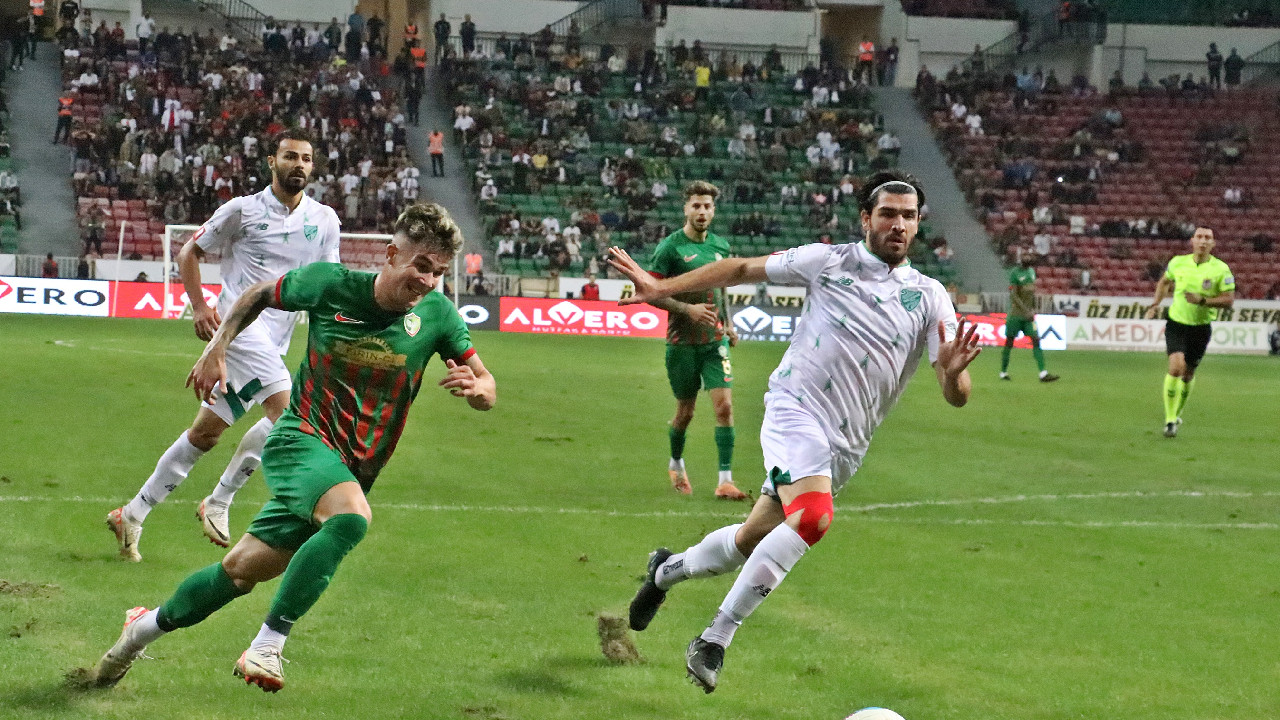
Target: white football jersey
259	239
859	338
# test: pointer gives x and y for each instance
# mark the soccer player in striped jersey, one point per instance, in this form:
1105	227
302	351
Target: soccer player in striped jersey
369	341
260	237
868	319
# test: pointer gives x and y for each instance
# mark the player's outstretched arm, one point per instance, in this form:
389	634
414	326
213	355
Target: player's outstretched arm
721	273
953	362
210	372
473	381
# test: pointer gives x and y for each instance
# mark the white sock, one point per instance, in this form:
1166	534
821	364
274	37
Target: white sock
144	630
1043	373
769	563
268	639
726	476
715	555
247	458
171	470
676	464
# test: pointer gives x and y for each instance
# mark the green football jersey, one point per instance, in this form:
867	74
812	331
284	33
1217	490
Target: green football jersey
1210	279
677	254
1022	292
364	364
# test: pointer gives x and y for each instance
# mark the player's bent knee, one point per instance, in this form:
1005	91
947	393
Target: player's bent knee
817	510
348	529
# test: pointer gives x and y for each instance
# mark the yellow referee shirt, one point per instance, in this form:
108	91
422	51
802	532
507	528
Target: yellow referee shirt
1210	278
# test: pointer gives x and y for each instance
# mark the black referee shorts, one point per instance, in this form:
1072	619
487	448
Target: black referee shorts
1190	340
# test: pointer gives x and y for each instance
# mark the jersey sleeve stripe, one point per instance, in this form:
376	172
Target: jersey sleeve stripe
466	355
279	283
658	275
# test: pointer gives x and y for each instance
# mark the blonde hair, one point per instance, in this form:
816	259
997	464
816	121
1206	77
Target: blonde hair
429	224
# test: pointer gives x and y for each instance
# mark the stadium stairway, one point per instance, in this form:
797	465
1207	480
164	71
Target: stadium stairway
453	190
48	218
978	265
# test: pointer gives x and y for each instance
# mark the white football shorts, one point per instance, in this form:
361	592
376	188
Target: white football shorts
255	372
795	446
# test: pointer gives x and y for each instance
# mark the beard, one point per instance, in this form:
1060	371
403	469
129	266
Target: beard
294	183
886	246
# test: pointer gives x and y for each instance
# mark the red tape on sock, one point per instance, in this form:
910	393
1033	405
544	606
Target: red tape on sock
817	513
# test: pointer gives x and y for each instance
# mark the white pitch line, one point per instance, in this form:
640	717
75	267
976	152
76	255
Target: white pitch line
864	510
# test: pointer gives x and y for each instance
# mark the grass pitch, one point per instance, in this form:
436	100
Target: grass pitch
1042	553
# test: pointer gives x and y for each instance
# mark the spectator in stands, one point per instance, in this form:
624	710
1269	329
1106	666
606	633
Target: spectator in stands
1234	65
467	33
441	30
1042	243
973	121
1233	197
591	290
489	192
435	148
1214	60
49	268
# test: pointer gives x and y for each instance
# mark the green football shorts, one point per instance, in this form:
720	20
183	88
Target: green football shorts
1014	325
299	469
698	367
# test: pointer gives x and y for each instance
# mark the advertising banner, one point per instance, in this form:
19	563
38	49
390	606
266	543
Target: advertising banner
581	317
991	330
146	300
40	296
1148	335
770	323
1113	307
480	312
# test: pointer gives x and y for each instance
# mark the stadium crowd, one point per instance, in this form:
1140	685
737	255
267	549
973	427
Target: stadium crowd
572	153
166	128
1103	186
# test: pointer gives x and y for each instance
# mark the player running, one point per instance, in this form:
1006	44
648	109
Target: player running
1199	284
260	237
868	318
699	335
1022	317
370	339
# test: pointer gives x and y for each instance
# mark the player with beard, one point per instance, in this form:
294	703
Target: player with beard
868	318
260	237
699	335
369	340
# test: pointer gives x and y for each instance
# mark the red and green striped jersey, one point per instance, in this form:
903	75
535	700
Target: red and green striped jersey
364	364
678	254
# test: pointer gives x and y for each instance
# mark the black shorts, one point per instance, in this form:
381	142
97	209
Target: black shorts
1190	340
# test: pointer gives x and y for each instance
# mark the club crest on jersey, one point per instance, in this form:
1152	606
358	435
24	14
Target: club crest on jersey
1207	284
910	299
412	324
309	231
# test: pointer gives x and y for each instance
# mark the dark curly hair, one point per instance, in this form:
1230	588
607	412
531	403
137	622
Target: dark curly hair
429	224
701	187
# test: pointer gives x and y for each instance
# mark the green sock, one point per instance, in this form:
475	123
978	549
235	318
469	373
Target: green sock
199	596
312	567
724	446
1172	389
677	442
1187	385
1004	356
1039	355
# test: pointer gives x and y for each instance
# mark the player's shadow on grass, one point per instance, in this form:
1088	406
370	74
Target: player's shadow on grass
50	697
552	674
